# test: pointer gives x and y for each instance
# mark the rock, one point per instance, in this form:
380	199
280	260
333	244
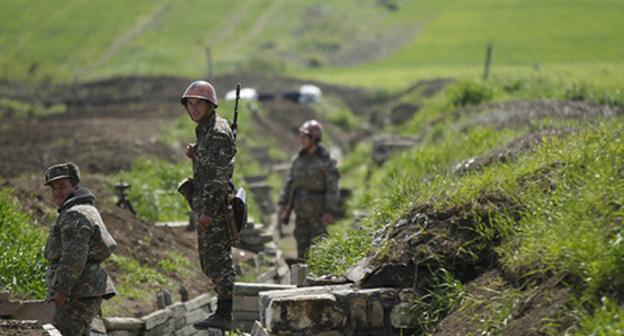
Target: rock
313	312
122	323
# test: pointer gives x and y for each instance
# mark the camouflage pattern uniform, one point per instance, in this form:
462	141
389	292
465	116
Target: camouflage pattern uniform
77	244
313	184
212	168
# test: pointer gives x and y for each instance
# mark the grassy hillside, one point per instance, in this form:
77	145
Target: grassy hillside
371	43
534	194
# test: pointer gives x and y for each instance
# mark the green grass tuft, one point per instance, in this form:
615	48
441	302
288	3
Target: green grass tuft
22	266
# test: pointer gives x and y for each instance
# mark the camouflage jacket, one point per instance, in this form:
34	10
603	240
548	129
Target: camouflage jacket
77	244
312	184
212	165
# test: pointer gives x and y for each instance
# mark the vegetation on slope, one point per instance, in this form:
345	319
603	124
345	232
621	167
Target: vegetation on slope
568	222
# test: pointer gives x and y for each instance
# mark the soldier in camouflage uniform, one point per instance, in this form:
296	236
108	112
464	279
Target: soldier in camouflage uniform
77	244
212	157
311	188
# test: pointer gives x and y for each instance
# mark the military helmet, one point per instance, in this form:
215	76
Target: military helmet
313	129
63	170
202	90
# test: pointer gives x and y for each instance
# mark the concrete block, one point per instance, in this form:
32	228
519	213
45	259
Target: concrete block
123	323
253	289
314	312
246	303
200	301
156	318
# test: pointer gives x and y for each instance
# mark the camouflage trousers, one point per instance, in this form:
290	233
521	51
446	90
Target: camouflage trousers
306	230
215	255
74	318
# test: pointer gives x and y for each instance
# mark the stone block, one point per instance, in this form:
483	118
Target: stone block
156	318
50	330
313	312
246	316
200	301
186	331
244	326
180	322
401	316
298	274
246	303
123	323
375	314
160	330
4	296
122	333
253	289
178	309
258	330
357	313
196	315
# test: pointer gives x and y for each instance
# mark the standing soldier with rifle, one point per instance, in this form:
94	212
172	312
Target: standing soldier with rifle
311	188
208	193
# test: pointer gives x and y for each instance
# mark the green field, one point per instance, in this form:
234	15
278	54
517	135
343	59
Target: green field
350	42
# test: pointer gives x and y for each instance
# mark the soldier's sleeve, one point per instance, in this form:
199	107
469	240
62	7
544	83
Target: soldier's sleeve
216	161
76	233
286	192
332	196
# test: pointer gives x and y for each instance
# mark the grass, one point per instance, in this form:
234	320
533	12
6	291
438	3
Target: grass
22	266
569	188
571	40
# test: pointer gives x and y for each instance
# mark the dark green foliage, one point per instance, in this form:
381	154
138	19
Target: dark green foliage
470	93
22	266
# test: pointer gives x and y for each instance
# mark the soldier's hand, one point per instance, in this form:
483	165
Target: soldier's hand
205	221
190	150
59	298
327	218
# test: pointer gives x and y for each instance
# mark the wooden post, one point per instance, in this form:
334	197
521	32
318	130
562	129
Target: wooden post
209	62
488	61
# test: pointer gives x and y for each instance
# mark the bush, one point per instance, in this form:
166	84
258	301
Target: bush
470	93
22	266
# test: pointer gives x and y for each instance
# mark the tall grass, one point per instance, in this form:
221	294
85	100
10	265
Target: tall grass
22	266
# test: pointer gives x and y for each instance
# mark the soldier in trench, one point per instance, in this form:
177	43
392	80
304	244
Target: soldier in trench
77	244
311	189
212	156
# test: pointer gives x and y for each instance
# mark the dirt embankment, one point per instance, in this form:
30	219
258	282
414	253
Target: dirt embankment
104	127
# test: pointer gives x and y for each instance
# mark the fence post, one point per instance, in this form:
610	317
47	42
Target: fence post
488	61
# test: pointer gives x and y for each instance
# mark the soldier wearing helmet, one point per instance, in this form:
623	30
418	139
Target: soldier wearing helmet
212	156
311	188
77	244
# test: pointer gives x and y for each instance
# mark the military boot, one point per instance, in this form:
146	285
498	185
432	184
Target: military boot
221	319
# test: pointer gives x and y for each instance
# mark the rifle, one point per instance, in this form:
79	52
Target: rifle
237	201
234	125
